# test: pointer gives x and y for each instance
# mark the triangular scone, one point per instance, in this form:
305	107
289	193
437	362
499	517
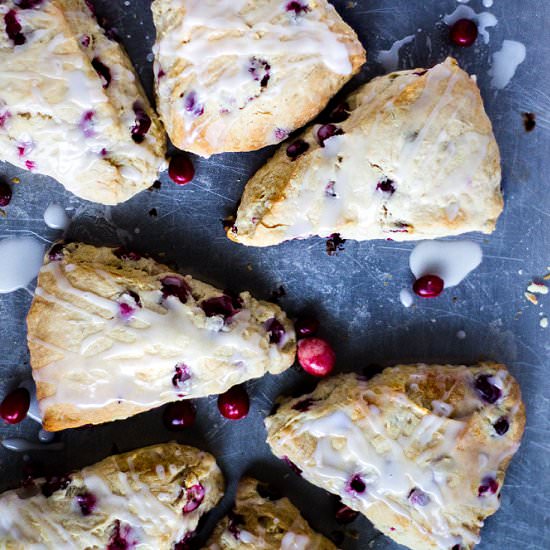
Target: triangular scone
415	159
237	75
71	104
147	498
420	450
269	522
112	334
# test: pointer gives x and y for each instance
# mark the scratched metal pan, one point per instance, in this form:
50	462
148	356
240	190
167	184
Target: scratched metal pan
355	293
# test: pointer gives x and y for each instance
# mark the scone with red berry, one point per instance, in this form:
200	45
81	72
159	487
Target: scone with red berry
71	104
410	155
237	75
421	450
148	498
112	334
264	520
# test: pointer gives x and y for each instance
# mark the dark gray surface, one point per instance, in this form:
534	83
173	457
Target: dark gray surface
355	294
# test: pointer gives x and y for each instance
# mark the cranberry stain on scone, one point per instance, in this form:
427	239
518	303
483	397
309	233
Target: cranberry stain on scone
152	497
264	520
421	450
112	334
71	104
410	155
237	75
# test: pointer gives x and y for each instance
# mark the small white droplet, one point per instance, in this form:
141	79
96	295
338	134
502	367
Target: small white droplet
56	217
544	322
461	335
21	261
406	297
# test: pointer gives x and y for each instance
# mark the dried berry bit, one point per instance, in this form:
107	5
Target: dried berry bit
298	7
28	4
489	486
428	286
529	121
418	497
356	485
327	131
86	124
122	538
87	503
234	404
195	496
181	376
316	356
192	105
15	406
486	389
275	330
142	123
502	425
259	70
335	244
13	28
5	194
181	170
225	306
464	33
297	148
340	113
56	252
386	186
103	71
175	286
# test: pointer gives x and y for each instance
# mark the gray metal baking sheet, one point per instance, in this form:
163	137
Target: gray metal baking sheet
355	293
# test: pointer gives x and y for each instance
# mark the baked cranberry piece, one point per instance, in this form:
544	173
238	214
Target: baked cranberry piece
234	404
225	306
327	131
297	148
429	286
502	425
142	123
129	303
13	28
275	329
175	286
179	415
122	538
259	70
356	485
340	113
87	503
192	105
417	497
489	486
86	124
103	71
195	496
316	356
486	389
181	376
386	186
298	7
15	406
464	33
181	169
56	252
4	117
5	194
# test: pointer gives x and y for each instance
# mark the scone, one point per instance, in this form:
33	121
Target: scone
420	450
71	104
150	498
410	155
267	522
112	334
240	75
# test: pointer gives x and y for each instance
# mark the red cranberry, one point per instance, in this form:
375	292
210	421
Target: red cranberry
344	514
30	165
194	496
15	405
280	134
329	190
386	186
4	117
339	113
327	131
179	415
175	286
122	538
13	28
123	254
5	194
142	123
87	502
128	304
297	6
299	147
417	497
489	486
501	426
316	356
181	170
486	389
356	485
103	71
234	404
225	306
275	329
259	70
181	376
192	105
464	33
306	326
429	286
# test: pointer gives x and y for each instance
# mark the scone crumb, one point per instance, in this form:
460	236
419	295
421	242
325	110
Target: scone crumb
544	322
531	298
537	288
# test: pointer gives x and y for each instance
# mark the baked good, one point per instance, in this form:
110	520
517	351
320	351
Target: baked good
269	522
150	498
71	104
421	450
415	158
112	334
237	76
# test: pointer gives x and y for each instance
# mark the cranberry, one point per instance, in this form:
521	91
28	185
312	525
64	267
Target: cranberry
87	502
316	356
181	376
53	484
344	514
185	542
329	190
335	244
121	538
356	485
142	123
13	28
86	124
417	497
259	70
30	164
327	131
4	117
488	391
128	303
85	40
429	286
297	6
5	194
181	169
179	415
464	33
175	286
386	186
291	465
56	252
275	329
340	113
192	106
280	134
225	306
303	405
489	486
501	426
306	326
194	496
124	254
234	404
103	71
15	405
297	148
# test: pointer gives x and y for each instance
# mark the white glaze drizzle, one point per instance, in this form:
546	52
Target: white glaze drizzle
56	217
389	59
505	63
21	261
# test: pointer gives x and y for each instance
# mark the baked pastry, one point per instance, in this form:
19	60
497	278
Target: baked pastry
150	498
237	76
112	334
71	104
420	450
261	520
410	155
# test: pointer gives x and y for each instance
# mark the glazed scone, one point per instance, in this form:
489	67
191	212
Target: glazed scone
71	104
237	75
410	155
112	334
151	498
264	523
421	450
